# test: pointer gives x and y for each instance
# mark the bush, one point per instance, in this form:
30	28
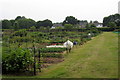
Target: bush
15	60
20	33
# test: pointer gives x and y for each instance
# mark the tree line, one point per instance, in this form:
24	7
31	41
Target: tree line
24	23
21	22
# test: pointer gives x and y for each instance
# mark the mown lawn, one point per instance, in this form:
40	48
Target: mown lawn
97	58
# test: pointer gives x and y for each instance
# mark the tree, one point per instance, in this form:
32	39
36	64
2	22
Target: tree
19	17
92	26
6	24
16	25
12	22
117	22
95	22
87	26
91	22
111	18
70	20
45	23
39	24
112	24
26	23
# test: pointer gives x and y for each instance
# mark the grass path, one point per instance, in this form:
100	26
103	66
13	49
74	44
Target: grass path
97	58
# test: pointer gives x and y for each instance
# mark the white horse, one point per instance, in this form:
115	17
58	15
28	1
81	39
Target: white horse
68	44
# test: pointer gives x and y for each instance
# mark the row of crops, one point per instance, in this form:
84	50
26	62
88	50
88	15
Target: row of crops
26	51
46	50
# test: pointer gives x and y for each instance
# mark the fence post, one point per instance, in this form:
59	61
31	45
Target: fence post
34	60
39	60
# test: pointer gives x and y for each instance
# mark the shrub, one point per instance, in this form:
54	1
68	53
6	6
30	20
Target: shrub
20	33
15	60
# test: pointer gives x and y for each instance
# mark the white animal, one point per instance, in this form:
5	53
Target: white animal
68	44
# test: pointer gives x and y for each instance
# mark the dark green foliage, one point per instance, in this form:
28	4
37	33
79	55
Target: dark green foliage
12	23
84	35
92	26
117	22
105	29
45	50
45	23
16	25
54	55
38	34
6	24
95	31
112	18
19	17
26	23
112	24
21	33
15	60
70	20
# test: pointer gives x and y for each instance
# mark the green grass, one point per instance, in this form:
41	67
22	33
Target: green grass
97	58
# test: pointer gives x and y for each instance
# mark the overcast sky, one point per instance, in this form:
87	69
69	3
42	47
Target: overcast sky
57	10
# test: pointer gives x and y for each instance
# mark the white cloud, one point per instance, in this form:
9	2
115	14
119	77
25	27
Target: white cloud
57	10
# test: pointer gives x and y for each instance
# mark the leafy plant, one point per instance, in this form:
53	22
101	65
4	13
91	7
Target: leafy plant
20	33
15	60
